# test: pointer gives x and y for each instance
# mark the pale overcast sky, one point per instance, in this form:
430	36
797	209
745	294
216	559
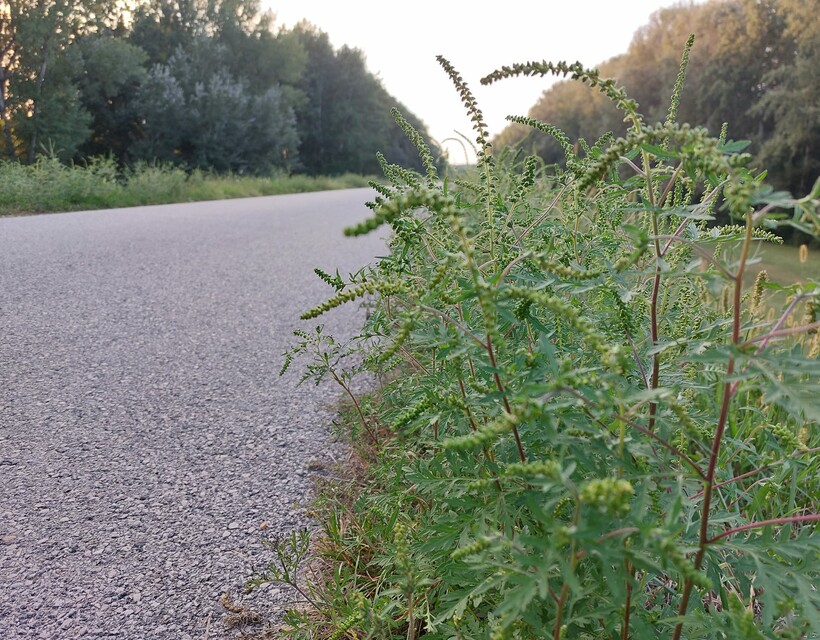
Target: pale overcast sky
400	41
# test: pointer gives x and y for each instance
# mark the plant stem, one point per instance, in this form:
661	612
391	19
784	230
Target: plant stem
556	631
628	603
653	324
356	404
656	286
411	622
455	323
507	407
562	600
806	328
812	517
728	390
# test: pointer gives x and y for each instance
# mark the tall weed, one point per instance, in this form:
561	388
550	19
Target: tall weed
588	428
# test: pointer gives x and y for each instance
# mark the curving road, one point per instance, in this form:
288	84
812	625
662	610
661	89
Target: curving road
144	432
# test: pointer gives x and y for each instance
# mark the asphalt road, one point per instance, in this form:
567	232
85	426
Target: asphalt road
145	436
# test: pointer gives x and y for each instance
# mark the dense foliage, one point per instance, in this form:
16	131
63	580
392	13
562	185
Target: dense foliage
205	84
756	66
587	427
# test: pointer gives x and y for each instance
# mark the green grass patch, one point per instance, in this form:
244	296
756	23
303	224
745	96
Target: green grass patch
50	186
784	264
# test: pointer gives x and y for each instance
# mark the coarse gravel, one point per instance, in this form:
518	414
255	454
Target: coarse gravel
147	443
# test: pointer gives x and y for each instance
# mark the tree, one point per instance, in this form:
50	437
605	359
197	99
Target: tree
754	66
792	102
108	74
161	27
39	105
345	119
194	111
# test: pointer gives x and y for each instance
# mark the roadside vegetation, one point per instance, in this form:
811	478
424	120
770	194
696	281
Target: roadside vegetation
213	85
589	422
50	186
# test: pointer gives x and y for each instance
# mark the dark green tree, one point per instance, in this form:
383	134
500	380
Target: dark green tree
40	106
161	27
345	119
195	112
108	73
792	102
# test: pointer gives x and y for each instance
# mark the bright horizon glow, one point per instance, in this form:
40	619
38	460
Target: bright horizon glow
400	44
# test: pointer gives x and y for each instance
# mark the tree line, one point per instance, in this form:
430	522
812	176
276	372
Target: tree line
208	84
755	65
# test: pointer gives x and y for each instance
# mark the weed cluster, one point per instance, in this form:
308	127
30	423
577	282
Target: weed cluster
588	428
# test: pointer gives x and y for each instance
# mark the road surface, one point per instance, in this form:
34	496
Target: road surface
145	436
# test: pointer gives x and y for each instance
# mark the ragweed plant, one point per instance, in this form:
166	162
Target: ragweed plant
597	432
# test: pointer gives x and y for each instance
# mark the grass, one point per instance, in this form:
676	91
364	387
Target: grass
50	186
784	266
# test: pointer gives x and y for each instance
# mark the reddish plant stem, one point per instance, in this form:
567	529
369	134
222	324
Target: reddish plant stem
806	328
562	600
418	366
742	476
358	407
466	408
765	467
812	517
728	391
556	631
628	603
507	408
487	453
469	359
703	253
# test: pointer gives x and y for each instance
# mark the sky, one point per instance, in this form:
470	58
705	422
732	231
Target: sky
400	42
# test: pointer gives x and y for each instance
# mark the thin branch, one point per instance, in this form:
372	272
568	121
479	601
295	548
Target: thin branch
637	358
812	517
510	266
674	236
759	215
455	323
703	252
635	167
418	366
670	184
806	328
542	217
491	354
684	222
643	430
673	449
753	472
767	337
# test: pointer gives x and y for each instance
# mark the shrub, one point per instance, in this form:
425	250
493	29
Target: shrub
588	427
